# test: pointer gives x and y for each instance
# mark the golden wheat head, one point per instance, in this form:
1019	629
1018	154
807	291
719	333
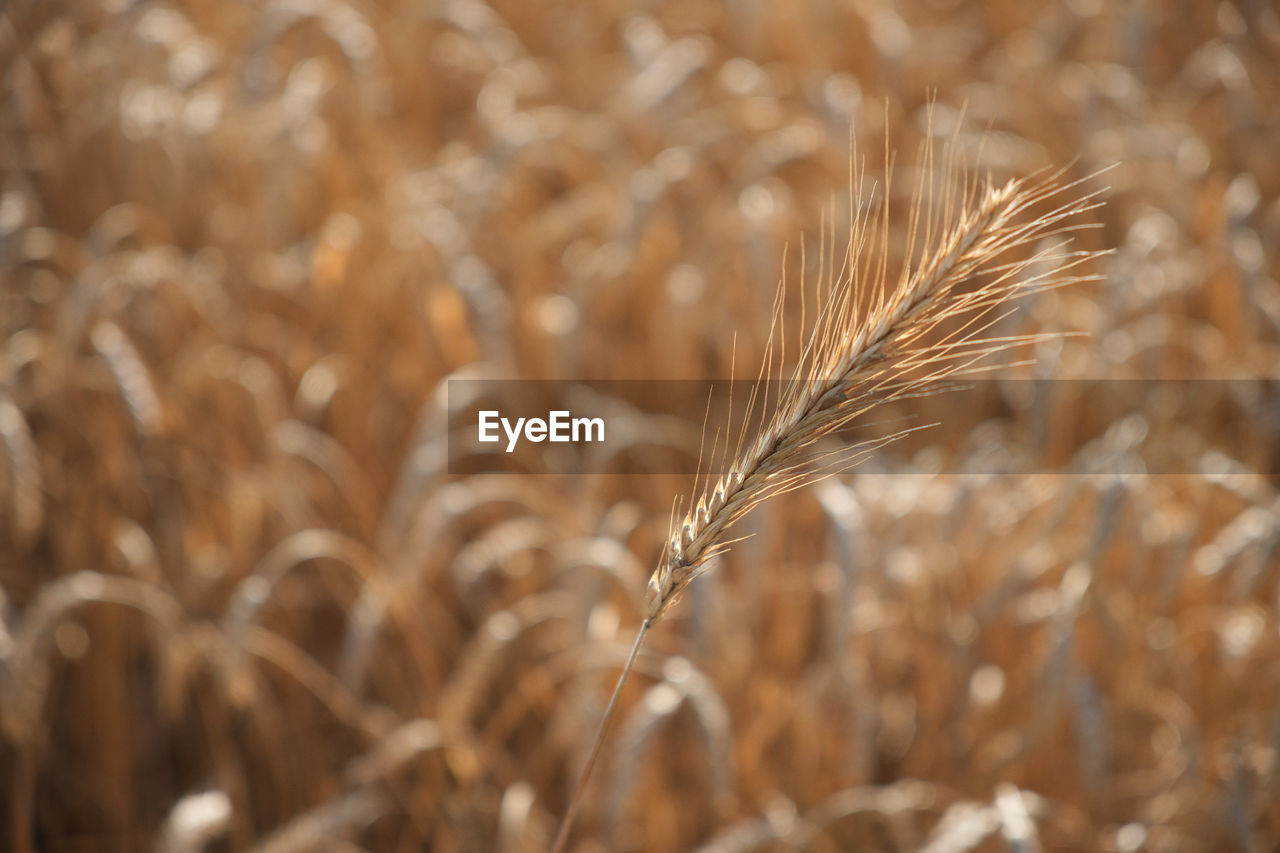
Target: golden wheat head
972	247
875	341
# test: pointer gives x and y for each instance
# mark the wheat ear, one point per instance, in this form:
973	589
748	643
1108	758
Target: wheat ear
874	341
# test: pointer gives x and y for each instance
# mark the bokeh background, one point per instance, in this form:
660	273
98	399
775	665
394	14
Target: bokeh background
245	607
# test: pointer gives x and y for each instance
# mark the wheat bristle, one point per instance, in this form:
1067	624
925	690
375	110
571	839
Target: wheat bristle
873	342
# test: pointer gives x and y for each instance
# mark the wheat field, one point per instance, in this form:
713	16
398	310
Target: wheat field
250	599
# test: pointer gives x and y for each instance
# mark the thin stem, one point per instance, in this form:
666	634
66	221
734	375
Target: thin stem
567	821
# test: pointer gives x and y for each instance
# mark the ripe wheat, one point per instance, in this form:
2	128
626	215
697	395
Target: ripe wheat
875	340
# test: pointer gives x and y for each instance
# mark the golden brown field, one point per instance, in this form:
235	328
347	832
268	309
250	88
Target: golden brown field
245	606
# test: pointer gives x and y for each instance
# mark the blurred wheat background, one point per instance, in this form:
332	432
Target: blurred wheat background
245	606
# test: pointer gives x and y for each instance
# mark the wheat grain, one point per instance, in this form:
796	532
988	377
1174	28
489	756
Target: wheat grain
873	342
856	360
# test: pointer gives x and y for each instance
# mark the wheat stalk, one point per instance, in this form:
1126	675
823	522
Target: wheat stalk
873	341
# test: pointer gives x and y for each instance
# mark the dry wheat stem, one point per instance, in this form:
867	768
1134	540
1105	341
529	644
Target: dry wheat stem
873	342
575	800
